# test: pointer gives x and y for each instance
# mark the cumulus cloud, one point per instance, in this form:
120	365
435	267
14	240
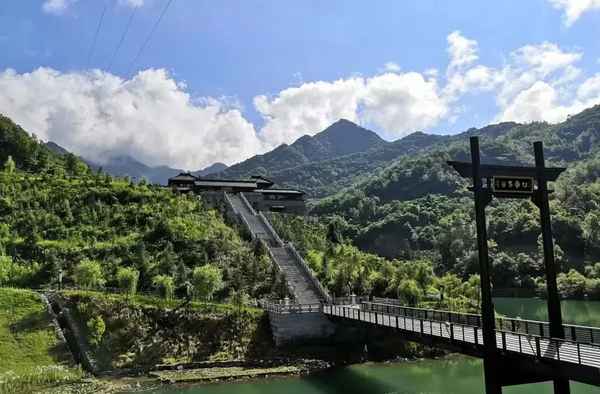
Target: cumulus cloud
150	117
153	118
573	9
307	109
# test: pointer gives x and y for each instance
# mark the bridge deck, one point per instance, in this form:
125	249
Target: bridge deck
559	350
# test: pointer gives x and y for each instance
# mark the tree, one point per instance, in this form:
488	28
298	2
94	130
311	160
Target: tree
88	274
409	291
206	279
9	165
128	280
165	285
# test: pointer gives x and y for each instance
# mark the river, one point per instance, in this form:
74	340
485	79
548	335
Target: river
452	375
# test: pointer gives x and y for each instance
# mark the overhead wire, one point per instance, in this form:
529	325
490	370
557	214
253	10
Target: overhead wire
143	47
93	47
122	39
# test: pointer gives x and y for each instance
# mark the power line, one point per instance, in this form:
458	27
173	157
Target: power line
162	14
97	33
127	27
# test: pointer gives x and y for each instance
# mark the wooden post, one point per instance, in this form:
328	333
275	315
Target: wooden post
561	386
487	307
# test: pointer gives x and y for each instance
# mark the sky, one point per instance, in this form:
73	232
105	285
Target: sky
187	83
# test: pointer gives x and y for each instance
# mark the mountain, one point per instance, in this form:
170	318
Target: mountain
211	169
341	138
128	166
54	147
418	204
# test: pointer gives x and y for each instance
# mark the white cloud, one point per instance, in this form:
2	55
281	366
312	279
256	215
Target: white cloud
573	9
153	118
391	67
462	51
132	3
402	103
150	117
57	7
307	109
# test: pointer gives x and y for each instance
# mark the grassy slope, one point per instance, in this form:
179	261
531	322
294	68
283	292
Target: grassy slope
29	349
144	331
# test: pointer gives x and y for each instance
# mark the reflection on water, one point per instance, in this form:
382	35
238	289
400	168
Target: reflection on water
453	375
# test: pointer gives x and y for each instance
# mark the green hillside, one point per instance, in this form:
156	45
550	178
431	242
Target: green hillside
418	206
61	219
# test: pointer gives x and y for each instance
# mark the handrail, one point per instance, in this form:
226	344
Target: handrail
289	308
271	230
532	345
525	326
323	292
247	204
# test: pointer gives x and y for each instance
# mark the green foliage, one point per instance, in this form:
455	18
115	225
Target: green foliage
206	279
56	213
96	328
128	278
88	274
165	286
9	166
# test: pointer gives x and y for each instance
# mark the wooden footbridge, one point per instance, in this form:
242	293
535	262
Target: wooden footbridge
526	352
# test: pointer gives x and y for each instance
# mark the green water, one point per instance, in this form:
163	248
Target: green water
453	375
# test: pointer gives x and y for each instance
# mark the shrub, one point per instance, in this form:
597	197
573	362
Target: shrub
206	280
96	328
165	285
128	280
88	274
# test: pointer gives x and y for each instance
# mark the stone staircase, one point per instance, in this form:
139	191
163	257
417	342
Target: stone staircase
303	285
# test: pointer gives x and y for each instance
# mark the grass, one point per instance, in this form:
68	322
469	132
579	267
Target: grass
31	354
158	302
215	373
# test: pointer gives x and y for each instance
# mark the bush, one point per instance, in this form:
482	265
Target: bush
88	274
128	280
206	280
96	328
165	286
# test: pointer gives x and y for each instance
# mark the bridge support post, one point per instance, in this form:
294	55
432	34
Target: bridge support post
488	319
561	386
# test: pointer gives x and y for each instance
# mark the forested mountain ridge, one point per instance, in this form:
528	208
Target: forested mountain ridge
341	138
419	206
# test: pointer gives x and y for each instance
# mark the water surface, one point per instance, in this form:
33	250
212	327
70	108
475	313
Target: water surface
452	375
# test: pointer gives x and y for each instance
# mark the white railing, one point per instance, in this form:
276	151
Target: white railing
270	228
322	291
247	204
284	308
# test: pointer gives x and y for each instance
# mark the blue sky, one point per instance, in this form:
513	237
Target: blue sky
222	80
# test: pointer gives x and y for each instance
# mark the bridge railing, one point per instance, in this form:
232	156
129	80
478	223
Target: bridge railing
572	332
583	334
565	350
349	300
426	314
283	308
